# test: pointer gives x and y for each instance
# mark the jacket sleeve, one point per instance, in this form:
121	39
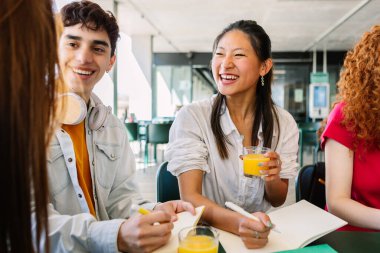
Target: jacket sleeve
82	233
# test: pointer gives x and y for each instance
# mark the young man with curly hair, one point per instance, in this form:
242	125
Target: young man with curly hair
90	163
351	139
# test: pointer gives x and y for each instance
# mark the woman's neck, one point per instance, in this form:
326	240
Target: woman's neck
241	107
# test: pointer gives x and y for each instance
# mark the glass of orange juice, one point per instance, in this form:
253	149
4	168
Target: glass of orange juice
252	156
198	239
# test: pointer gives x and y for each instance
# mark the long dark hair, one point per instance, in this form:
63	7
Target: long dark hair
264	107
27	95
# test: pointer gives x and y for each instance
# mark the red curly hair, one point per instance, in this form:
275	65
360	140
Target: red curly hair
359	89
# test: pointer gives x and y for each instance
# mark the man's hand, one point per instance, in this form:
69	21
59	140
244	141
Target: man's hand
175	206
144	233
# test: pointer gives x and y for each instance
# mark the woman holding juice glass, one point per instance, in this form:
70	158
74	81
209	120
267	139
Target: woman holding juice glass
207	137
351	139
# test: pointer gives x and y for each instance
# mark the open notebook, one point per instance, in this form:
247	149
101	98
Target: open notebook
299	224
185	219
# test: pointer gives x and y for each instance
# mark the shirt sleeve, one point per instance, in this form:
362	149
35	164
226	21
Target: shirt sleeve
187	149
335	130
288	148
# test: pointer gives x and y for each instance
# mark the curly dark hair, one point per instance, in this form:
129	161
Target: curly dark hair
93	17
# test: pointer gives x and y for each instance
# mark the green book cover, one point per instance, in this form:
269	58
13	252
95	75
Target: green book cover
322	248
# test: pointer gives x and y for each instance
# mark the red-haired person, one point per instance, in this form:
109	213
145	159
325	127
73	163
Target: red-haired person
351	138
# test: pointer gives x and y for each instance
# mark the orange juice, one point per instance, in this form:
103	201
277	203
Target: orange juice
198	244
250	164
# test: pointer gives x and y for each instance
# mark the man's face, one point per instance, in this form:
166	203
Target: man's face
84	56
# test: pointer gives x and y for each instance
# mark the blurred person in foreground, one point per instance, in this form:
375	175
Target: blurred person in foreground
27	97
351	138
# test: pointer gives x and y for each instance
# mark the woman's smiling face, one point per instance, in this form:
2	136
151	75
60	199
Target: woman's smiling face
235	65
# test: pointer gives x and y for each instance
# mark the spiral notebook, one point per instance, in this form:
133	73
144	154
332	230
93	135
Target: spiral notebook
299	224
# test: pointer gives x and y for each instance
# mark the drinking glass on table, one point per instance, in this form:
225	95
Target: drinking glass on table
252	156
198	239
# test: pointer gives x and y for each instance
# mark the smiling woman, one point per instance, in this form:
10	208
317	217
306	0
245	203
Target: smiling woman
207	137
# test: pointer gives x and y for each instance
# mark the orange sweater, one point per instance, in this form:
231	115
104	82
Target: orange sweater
78	137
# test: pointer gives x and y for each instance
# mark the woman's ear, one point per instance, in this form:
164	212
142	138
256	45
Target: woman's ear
266	66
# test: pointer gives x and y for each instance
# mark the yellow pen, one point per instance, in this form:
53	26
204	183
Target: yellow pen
143	211
139	209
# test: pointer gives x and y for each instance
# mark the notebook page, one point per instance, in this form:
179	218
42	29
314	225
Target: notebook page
303	222
299	224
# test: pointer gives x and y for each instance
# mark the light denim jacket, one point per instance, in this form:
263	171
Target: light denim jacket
71	226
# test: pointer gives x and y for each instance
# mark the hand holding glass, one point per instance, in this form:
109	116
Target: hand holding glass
198	239
252	156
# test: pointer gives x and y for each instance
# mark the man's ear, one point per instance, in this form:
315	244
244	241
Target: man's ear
112	62
266	66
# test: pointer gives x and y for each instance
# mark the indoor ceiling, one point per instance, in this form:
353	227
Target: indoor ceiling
293	25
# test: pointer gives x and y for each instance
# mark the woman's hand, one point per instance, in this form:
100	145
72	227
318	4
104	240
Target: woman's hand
253	233
274	167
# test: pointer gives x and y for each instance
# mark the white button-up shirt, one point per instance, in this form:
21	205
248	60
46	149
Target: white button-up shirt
192	146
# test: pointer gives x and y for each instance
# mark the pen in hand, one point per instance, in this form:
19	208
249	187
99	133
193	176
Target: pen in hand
139	209
240	210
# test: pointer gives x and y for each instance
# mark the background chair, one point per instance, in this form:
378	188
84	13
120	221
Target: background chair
156	134
132	129
167	184
308	138
133	135
310	184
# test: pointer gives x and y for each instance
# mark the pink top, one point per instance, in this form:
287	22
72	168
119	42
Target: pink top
366	170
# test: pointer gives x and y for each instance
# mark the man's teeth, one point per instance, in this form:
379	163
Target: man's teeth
82	72
229	77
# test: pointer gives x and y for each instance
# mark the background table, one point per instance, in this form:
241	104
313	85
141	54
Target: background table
346	242
367	242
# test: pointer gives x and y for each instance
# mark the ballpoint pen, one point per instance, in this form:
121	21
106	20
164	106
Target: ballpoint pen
240	210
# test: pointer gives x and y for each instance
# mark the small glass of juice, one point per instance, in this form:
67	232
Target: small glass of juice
252	156
198	239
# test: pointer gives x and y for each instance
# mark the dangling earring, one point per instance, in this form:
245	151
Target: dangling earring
262	81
